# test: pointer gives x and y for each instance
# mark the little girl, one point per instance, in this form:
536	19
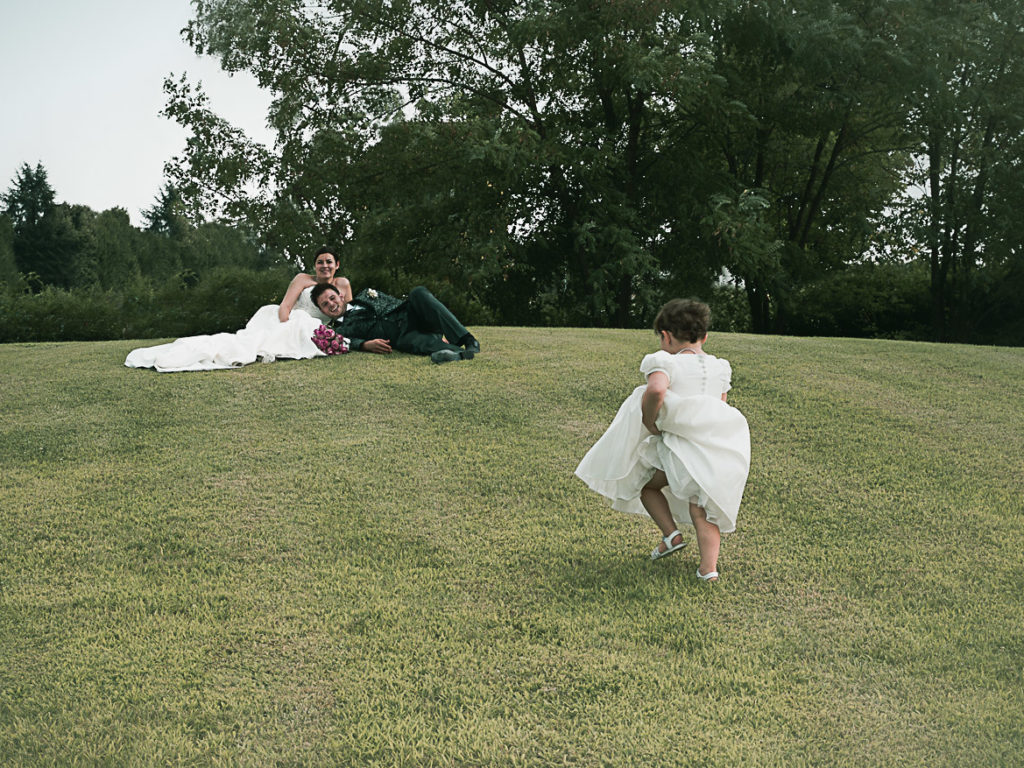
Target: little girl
676	450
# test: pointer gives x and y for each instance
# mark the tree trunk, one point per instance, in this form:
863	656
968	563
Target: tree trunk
938	273
760	316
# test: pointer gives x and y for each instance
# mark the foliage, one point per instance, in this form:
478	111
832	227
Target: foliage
30	197
880	300
191	577
109	249
804	114
510	143
72	247
730	310
576	163
167	216
222	300
43	238
8	265
567	162
968	118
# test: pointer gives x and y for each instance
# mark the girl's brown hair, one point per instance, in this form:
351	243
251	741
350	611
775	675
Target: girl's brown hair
686	319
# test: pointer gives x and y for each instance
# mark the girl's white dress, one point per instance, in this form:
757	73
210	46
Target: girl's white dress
704	448
263	338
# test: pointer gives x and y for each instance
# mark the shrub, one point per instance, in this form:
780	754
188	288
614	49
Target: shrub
221	300
881	300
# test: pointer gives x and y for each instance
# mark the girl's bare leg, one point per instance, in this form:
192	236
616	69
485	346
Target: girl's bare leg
709	538
656	504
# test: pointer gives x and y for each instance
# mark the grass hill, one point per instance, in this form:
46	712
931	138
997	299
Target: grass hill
373	561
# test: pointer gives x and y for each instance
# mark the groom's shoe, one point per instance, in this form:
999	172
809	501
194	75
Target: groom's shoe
445	356
472	347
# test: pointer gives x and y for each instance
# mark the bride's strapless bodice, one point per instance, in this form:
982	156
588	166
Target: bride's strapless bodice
305	303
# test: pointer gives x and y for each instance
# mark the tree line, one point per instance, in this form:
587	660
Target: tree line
844	167
68	272
575	161
61	245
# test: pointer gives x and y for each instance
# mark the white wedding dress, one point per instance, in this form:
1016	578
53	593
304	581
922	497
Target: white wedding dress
704	446
263	338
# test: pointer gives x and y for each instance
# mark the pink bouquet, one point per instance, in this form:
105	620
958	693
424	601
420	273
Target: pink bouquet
329	342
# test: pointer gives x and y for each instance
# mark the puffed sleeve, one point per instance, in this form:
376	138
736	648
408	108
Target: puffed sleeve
726	375
657	361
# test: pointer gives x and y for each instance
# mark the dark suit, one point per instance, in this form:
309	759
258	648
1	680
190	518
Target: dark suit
414	325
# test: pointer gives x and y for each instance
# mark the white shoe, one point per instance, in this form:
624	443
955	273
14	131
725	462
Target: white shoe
669	547
712	576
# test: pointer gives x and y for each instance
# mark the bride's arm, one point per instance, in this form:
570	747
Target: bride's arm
344	289
298	283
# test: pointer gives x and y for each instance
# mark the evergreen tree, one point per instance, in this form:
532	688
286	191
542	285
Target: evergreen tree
30	197
43	235
111	247
8	266
167	215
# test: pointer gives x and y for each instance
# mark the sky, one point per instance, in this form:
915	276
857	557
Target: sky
81	89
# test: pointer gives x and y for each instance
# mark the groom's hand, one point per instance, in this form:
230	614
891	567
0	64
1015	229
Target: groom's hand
380	346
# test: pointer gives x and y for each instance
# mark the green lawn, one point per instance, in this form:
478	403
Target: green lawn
374	562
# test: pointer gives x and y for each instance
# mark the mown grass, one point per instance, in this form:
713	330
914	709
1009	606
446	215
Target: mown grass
373	561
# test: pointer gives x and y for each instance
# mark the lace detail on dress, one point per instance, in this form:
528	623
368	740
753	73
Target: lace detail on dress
305	303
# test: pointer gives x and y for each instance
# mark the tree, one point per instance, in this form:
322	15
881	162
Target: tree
30	197
44	239
167	216
568	161
968	117
110	250
8	266
805	115
559	106
27	202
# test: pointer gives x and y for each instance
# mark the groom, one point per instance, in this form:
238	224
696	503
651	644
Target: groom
376	322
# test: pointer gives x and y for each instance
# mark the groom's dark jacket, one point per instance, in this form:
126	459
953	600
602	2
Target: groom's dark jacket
416	325
370	315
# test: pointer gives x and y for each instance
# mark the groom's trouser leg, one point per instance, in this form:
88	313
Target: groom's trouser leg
427	319
419	343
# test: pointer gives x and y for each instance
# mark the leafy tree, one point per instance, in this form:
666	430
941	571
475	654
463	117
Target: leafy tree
214	244
804	114
962	215
569	161
557	106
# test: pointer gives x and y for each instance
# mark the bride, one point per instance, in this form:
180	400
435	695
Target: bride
302	285
276	330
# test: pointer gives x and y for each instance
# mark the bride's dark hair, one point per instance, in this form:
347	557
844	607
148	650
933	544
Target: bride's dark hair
686	319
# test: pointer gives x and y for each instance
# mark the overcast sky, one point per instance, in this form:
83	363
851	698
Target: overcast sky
81	88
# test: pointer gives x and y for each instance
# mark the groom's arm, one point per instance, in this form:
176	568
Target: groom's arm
380	346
